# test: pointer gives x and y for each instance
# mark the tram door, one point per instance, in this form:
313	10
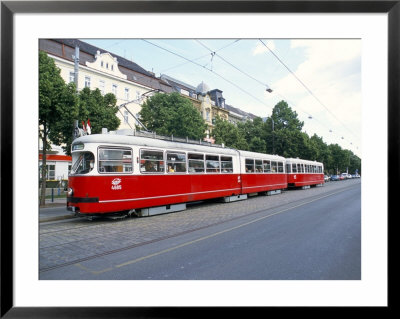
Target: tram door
239	177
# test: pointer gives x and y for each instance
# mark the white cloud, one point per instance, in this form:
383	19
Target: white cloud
260	48
331	70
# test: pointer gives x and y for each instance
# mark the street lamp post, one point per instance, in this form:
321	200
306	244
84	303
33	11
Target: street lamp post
273	136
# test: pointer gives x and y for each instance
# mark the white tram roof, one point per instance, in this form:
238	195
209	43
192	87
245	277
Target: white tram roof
123	139
261	156
131	140
302	161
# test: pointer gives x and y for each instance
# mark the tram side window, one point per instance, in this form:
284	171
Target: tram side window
151	161
288	168
115	160
306	168
267	166
299	170
294	168
212	164
259	166
280	167
274	167
226	164
249	165
196	163
176	162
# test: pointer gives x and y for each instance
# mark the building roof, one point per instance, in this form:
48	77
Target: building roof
230	108
64	48
202	88
91	49
178	83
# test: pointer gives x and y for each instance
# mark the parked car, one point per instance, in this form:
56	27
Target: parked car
327	178
343	176
335	178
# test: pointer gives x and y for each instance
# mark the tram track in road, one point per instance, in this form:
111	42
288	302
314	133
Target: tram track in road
161	219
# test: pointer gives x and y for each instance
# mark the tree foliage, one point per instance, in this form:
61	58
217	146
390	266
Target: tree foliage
172	114
100	110
282	134
57	109
60	105
229	134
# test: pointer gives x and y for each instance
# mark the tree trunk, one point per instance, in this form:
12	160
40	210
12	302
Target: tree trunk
44	169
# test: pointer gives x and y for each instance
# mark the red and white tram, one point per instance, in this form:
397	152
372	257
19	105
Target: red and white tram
303	173
127	173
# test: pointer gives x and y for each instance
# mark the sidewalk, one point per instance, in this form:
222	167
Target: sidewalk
54	210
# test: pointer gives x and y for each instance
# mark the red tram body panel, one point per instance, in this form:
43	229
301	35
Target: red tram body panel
304	173
97	195
120	173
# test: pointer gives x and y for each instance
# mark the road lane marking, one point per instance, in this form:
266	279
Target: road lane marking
130	262
218	233
93	272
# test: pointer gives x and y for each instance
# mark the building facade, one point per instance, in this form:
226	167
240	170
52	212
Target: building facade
110	73
131	85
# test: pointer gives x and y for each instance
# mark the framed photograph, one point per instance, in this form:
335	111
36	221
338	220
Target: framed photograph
374	25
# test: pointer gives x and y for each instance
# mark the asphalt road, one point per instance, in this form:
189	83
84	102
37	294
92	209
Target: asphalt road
299	235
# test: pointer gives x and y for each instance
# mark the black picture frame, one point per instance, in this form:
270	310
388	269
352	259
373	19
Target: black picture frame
9	8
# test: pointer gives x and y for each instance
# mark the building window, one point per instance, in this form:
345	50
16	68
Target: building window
208	115
102	86
102	64
126	117
127	94
87	81
112	67
51	172
138	95
114	89
71	77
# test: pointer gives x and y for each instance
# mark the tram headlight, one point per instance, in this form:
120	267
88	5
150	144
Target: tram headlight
70	191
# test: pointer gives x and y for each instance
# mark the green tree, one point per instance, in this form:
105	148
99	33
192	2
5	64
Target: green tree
338	163
172	114
57	109
100	110
285	118
257	145
228	134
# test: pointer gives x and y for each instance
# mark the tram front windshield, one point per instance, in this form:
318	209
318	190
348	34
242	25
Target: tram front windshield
84	163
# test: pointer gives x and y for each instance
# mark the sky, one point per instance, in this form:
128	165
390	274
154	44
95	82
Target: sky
320	79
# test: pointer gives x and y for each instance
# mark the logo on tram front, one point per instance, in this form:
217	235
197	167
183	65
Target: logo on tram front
116	184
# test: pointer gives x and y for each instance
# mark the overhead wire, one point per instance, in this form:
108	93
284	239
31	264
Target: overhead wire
258	81
217	74
204	67
195	59
306	87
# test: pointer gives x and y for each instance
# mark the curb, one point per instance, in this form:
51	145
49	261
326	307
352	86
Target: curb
53	219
